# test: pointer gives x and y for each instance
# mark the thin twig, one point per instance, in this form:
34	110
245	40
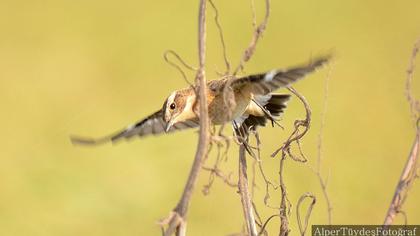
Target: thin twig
297	135
220	141
409	173
267	182
222	39
406	181
178	57
254	15
178	221
284	203
266	223
254	179
317	170
304	227
258	220
285	149
414	104
249	51
217	172
245	195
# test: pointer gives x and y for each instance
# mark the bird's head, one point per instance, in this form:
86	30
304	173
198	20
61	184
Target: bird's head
176	108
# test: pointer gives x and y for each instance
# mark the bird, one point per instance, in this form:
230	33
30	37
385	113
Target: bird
254	103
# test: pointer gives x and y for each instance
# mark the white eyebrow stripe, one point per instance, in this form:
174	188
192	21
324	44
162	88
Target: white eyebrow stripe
171	97
270	75
169	101
187	113
189	103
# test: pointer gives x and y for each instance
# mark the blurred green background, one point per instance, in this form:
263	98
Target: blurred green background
92	67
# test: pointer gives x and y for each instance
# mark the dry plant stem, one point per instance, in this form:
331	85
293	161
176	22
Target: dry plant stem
245	195
409	173
254	15
258	220
221	142
265	224
285	149
254	180
267	182
406	181
414	104
178	222
284	221
222	40
257	35
317	171
323	184
304	227
217	172
171	52
297	135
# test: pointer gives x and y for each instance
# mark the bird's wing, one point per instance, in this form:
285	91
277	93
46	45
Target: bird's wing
151	125
261	84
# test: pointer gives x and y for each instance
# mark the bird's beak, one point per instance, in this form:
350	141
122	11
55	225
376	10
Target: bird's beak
168	126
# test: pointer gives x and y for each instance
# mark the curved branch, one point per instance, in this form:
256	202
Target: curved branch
178	221
296	135
249	51
266	223
304	227
171	52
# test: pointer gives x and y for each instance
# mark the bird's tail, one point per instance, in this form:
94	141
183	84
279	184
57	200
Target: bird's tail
275	104
272	105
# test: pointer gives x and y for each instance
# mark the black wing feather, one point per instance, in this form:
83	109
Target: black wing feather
261	84
151	125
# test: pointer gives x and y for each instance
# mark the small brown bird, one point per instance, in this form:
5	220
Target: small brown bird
254	104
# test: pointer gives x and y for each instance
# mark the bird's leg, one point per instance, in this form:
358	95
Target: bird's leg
242	135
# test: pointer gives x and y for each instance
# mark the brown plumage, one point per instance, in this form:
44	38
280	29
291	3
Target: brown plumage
254	104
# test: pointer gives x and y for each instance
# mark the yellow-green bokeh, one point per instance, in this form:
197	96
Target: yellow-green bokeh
92	67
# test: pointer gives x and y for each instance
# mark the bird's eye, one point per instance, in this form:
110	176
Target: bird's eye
172	106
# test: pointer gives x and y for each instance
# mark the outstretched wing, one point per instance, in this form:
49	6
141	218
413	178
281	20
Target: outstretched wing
151	125
261	84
